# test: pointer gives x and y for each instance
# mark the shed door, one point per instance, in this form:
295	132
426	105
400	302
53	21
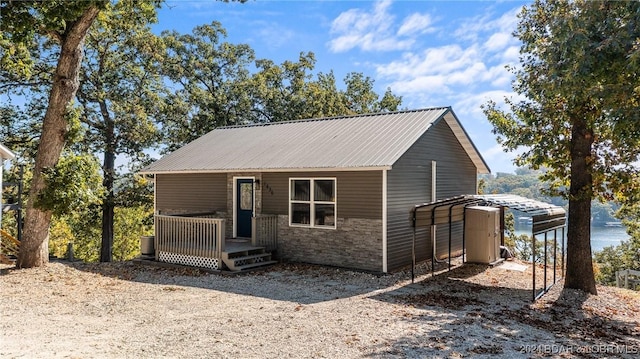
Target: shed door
244	206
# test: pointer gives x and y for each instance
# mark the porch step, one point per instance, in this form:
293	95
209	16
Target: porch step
247	258
255	265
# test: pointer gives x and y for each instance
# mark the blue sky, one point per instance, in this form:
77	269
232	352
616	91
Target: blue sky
432	53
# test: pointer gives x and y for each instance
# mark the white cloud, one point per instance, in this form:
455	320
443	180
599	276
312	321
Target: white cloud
462	72
498	41
416	24
511	54
373	30
469	103
422	84
463	65
473	28
437	60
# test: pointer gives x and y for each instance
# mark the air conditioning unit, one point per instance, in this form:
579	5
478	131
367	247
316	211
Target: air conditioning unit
482	234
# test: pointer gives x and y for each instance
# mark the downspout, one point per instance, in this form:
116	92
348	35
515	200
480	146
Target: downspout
433	228
384	221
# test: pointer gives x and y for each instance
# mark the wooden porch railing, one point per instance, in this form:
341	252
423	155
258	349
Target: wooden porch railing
265	231
189	236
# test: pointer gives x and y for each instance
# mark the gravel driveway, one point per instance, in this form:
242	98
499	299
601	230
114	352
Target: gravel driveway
124	310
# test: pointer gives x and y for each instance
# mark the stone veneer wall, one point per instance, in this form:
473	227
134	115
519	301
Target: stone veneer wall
356	243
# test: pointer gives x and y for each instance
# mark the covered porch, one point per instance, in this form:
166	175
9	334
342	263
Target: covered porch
200	240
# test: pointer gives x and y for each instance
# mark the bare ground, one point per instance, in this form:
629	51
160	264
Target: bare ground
124	310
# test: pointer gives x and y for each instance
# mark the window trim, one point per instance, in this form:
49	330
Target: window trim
312	202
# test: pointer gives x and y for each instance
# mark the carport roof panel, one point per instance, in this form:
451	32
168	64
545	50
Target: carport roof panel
522	204
445	210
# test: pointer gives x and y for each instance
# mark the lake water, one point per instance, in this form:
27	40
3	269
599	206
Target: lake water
600	236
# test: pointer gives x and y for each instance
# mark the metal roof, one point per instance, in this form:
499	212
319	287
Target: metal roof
522	204
371	141
5	154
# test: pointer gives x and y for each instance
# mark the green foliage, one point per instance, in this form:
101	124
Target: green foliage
629	213
579	76
215	83
120	81
579	65
134	190
627	254
525	183
130	224
23	21
82	228
290	92
73	183
60	234
521	244
19	130
210	83
615	258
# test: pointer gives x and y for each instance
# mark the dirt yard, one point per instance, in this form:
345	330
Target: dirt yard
124	310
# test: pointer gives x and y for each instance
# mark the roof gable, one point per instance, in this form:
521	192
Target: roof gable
372	141
5	154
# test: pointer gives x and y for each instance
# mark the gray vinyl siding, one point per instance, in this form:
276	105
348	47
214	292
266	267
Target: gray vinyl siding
191	193
409	183
359	192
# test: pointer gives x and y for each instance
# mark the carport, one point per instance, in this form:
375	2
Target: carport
549	223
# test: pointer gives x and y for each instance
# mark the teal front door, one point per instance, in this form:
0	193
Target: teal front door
244	207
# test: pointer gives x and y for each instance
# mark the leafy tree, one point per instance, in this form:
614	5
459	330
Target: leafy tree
611	259
580	76
279	93
119	93
60	235
60	27
66	23
19	129
130	225
213	86
629	212
81	228
290	92
209	83
76	181
361	97
627	254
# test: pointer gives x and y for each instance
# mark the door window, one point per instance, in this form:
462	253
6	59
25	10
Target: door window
246	196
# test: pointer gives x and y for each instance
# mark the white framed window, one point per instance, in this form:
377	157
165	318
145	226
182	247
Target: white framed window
312	202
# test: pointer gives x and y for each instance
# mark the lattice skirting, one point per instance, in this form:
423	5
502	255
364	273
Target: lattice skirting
194	261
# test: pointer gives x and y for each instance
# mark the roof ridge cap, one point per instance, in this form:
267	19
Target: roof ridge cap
330	118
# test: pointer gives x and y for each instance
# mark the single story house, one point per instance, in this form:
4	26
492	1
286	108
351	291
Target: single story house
334	191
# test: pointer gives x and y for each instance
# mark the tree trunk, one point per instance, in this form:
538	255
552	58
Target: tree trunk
579	263
108	206
108	169
34	249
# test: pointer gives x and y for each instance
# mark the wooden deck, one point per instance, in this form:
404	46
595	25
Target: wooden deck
200	242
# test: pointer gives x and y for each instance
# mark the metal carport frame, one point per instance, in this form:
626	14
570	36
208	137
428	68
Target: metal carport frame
547	218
